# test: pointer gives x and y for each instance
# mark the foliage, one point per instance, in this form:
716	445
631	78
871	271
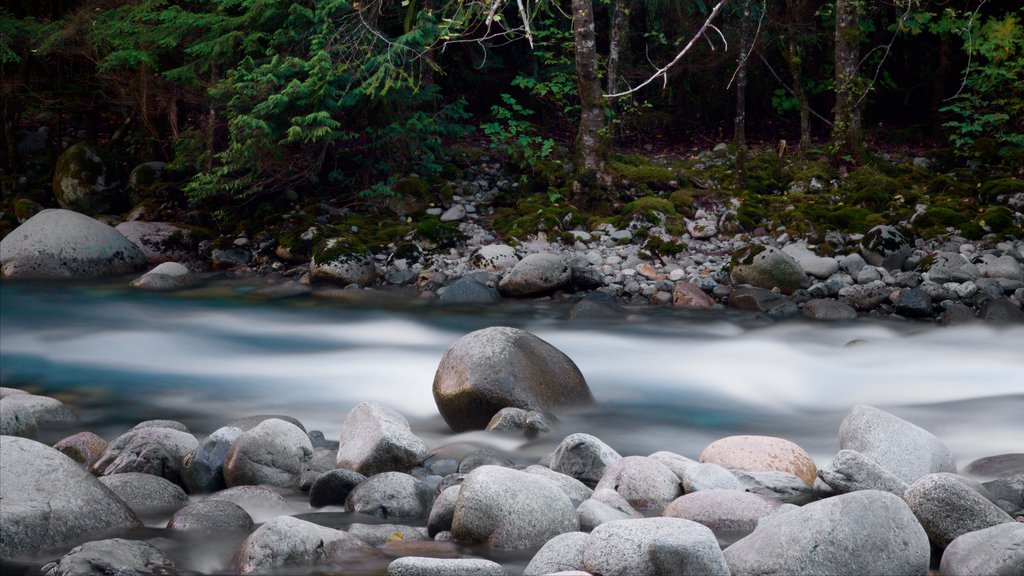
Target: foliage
512	134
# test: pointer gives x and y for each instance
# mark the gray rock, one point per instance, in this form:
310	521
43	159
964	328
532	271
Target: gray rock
900	447
852	263
212	515
250	422
333	261
84	180
288	541
495	257
203	469
1001	310
914	303
482	457
84	447
157	451
999	466
828	309
947	507
563	552
588	309
17	420
957	314
1007	493
46	411
536	274
160	241
811	263
501	367
306	480
380	534
782	486
333	487
528	423
583	457
391	495
644	482
172	424
710	476
166	276
762	300
377	439
851	471
865	297
1004	266
145	493
885	246
946	267
584	277
454	214
767	267
231	257
259	502
274	453
469	291
114	556
730	514
866	532
993	551
65	244
510	510
49	500
606	505
5	391
653	547
424	566
443	511
576	491
674	462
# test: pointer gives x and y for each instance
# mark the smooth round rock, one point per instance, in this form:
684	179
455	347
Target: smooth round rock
644	482
334	262
443	511
782	486
999	466
288	541
157	451
828	309
469	291
203	469
994	551
391	495
914	303
172	424
510	510
84	447
730	514
381	534
494	257
851	471
49	499
47	411
84	180
653	547
676	463
274	453
482	457
260	502
499	367
377	439
605	505
17	420
165	276
528	423
900	447
249	422
948	508
212	515
885	246
536	274
767	267
333	487
866	532
761	454
563	552
583	457
145	493
114	556
424	566
709	476
576	491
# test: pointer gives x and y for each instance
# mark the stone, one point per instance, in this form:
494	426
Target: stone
852	263
211	515
828	309
494	257
50	500
644	482
391	495
1007	493
957	314
900	447
782	486
84	180
502	367
381	534
157	451
1001	310
584	277
482	457
424	566
866	532
866	297
947	507
288	541
885	246
160	241
202	470
259	502
510	510
583	457
993	551
653	547
249	422
674	462
377	439
443	511
606	505
563	552
535	275
577	491
528	423
145	493
914	303
851	471
454	214
172	424
811	263
762	300
17	420
166	276
45	410
998	466
84	447
689	295
730	514
333	487
335	262
947	267
274	453
708	476
1004	266
58	244
761	454
230	257
469	291
767	267
114	556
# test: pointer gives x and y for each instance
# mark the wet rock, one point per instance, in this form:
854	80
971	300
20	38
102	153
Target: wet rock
334	262
166	276
157	451
333	487
510	510
274	453
443	511
84	180
828	309
689	295
424	566
761	454
606	505
885	246
782	486
948	508
584	277
17	420
114	556
49	500
501	367
495	257
674	462
84	447
46	411
900	447
563	552
709	476
914	303
644	482
999	466
380	534
767	267
377	439
529	423
64	244
851	471
260	502
250	422
865	297
583	457
730	514
957	314
145	493
653	547
993	551
482	457
762	300
160	241
391	495
469	291
866	532
212	515
536	274
1001	310
288	541
573	488
203	469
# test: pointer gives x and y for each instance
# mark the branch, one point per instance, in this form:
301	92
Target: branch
663	71
526	22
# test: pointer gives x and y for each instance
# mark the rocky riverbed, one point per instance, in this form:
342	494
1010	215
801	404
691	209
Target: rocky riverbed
263	494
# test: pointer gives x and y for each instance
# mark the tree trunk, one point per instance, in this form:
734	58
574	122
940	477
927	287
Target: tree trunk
619	34
796	60
847	132
739	134
591	146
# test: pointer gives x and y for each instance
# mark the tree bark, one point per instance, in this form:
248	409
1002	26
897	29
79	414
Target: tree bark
619	34
847	132
739	133
591	145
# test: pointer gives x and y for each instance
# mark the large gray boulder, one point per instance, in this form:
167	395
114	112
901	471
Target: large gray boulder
212	515
424	566
274	453
498	367
114	556
948	507
160	241
158	451
885	246
335	261
563	552
49	499
63	244
851	471
900	447
994	551
377	439
145	493
467	290
583	457
864	533
644	482
576	491
391	495
653	547
510	510
767	267
84	180
46	411
288	541
730	514
17	420
536	274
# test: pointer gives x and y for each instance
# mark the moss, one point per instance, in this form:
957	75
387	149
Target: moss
745	256
972	231
766	174
444	234
751	212
998	220
1001	187
532	214
409	252
656	211
852	218
947	185
867	187
638	171
339	250
938	217
659	247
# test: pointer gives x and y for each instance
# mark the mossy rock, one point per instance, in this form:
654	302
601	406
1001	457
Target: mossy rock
853	219
751	213
25	208
85	181
993	189
936	218
656	211
441	234
659	247
767	267
999	221
343	262
409	252
765	174
638	171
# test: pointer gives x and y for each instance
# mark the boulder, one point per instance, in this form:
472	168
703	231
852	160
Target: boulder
653	547
885	246
50	500
84	180
391	495
157	451
730	514
145	493
84	447
828	309
782	486
536	274
443	511
382	534
851	471
993	551
709	476
333	487
676	463
259	502
424	566
64	244
998	466
166	276
501	367
274	453
761	454
866	532
469	291
583	457
46	411
900	447
377	439
644	482
563	552
767	267
160	241
17	420
335	261
288	541
113	556
203	469
510	510
948	508
576	491
811	263
212	515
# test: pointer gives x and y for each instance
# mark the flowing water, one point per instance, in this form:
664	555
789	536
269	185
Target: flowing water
663	379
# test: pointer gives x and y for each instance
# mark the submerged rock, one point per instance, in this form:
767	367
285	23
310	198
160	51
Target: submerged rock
115	556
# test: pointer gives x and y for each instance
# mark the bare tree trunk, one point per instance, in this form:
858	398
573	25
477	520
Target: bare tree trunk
796	61
619	34
847	132
739	134
591	145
